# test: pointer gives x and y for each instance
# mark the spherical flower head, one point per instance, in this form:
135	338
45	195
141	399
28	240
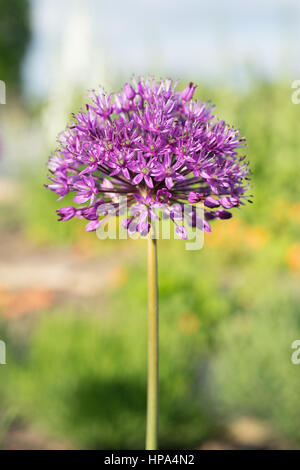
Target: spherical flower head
157	147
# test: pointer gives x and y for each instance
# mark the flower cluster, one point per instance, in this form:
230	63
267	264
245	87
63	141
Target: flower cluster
156	146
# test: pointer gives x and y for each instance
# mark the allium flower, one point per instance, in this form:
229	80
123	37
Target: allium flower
157	148
154	145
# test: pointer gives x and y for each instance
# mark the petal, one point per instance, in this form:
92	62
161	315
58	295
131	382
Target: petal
169	182
143	216
137	179
148	181
126	222
206	226
211	202
107	184
168	159
66	213
194	197
81	198
226	202
221	214
132	228
93	225
143	228
115	172
126	173
129	91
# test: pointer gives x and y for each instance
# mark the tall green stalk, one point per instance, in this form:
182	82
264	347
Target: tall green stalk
152	395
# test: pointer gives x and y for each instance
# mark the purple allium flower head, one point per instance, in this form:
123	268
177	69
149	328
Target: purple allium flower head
157	147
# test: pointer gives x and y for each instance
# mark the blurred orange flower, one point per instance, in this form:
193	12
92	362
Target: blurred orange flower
226	233
237	231
22	302
257	236
294	212
293	257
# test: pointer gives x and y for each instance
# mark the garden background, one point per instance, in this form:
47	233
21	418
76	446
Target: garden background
73	307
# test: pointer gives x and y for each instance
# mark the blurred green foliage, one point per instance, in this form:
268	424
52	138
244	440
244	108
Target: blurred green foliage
84	376
253	372
228	313
14	37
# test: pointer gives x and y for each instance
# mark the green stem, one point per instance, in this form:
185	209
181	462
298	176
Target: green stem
152	396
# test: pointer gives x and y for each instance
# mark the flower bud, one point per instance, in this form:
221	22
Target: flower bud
221	214
129	91
66	213
188	92
211	202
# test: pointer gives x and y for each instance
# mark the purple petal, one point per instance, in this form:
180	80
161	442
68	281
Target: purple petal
115	172
129	91
137	179
93	225
126	173
81	199
188	92
169	182
126	222
210	215
143	228
148	181
206	227
107	184
143	216
66	213
211	202
168	160
227	202
223	214
193	197
132	228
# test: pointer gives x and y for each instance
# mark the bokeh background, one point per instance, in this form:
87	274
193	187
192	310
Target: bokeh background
73	308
